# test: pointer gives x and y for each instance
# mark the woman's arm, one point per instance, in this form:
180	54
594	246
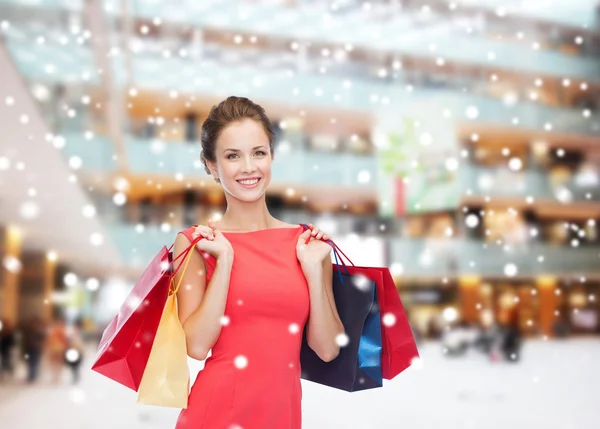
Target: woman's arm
201	308
324	323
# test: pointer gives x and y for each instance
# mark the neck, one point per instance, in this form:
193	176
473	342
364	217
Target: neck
247	216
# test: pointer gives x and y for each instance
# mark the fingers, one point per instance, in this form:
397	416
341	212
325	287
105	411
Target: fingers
203	231
205	234
317	233
215	230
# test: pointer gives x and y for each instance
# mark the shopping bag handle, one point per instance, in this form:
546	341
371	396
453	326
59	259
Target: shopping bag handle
340	250
187	261
182	253
188	253
335	255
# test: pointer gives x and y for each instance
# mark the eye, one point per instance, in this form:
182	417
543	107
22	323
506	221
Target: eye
258	151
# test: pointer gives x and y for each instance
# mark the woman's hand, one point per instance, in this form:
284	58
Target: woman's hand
313	252
205	231
214	242
317	233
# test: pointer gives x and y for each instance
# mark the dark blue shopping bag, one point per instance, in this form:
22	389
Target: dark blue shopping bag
358	366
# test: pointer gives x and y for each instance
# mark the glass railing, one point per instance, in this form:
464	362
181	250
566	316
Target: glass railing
51	63
137	245
96	153
303	167
575	14
289	167
530	116
401	34
63	4
328	92
447	257
503	182
416	257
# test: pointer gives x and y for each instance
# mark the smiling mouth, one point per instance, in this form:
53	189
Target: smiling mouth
248	185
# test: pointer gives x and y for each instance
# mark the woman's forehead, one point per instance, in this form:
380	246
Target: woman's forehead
242	135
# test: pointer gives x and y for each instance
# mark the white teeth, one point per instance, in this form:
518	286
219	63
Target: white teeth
248	182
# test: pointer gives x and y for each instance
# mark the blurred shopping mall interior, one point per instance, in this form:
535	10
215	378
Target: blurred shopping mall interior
457	143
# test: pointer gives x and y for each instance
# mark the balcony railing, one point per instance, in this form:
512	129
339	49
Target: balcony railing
302	167
417	257
52	63
447	257
502	182
156	157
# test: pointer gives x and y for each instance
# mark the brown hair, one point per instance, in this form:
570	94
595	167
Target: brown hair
233	109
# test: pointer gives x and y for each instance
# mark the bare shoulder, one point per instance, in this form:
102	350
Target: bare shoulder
288	225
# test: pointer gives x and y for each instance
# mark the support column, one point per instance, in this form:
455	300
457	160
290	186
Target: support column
469	297
12	241
526	310
49	286
33	285
548	303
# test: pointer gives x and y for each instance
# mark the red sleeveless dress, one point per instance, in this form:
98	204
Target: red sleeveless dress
252	378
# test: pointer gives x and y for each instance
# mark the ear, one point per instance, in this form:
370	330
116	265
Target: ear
213	169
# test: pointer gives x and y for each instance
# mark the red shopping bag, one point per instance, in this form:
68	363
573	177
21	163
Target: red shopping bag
126	342
398	342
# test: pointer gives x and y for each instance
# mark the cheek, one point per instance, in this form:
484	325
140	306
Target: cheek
229	168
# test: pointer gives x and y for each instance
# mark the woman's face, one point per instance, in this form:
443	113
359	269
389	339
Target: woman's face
243	153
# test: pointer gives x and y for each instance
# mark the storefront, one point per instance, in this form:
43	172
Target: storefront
580	307
429	304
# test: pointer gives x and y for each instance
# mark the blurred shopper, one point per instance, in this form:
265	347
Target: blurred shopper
490	335
434	327
74	352
7	343
560	327
512	340
487	338
417	334
56	347
34	335
88	329
457	340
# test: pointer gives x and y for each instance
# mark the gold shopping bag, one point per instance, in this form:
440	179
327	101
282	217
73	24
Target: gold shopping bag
166	379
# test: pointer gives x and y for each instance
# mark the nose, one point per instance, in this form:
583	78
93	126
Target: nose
248	165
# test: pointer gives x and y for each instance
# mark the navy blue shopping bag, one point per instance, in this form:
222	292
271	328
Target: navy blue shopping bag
358	366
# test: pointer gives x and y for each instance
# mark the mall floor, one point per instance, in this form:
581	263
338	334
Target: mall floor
555	386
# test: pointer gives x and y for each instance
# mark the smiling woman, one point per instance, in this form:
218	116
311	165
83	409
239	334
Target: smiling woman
235	111
251	288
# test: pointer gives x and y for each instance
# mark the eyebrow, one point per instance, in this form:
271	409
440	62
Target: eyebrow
237	150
